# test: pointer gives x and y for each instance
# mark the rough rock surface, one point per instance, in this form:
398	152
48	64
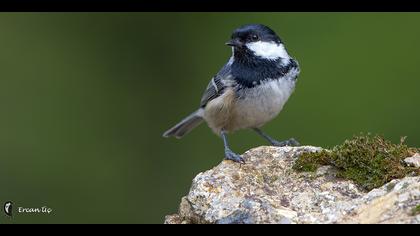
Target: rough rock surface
267	190
414	160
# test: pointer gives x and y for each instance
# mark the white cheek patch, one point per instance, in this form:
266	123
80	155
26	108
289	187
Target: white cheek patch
268	50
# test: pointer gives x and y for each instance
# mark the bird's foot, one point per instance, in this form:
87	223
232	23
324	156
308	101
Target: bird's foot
289	142
230	155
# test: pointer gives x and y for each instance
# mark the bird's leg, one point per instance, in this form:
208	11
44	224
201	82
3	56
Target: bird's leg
229	154
289	142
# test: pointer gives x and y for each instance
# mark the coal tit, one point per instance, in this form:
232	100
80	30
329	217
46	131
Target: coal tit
249	91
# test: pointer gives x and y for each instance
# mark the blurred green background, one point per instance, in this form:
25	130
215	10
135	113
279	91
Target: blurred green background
85	98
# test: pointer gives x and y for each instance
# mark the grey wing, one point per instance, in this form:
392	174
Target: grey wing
217	85
213	90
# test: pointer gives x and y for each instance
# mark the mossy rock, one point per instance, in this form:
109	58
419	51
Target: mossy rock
415	210
370	161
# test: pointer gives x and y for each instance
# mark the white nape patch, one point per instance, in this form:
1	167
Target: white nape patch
269	50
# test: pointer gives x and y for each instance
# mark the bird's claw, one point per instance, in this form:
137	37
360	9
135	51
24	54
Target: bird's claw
229	155
289	142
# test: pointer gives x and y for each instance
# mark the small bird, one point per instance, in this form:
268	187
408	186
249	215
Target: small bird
249	91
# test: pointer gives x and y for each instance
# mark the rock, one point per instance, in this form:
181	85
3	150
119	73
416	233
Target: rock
267	190
390	204
413	161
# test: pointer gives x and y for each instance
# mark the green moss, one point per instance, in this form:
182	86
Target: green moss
370	161
390	187
415	210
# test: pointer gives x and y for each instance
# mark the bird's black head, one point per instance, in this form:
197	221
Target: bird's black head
252	33
256	41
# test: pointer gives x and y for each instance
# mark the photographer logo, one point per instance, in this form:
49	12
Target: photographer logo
8	208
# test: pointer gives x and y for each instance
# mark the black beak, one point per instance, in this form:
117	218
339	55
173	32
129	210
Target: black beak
234	43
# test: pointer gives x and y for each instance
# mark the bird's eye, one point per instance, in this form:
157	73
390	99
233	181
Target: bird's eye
254	37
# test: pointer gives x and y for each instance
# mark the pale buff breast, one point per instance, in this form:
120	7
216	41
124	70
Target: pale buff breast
249	108
261	104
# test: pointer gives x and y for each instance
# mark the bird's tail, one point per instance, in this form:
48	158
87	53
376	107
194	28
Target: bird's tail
186	125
